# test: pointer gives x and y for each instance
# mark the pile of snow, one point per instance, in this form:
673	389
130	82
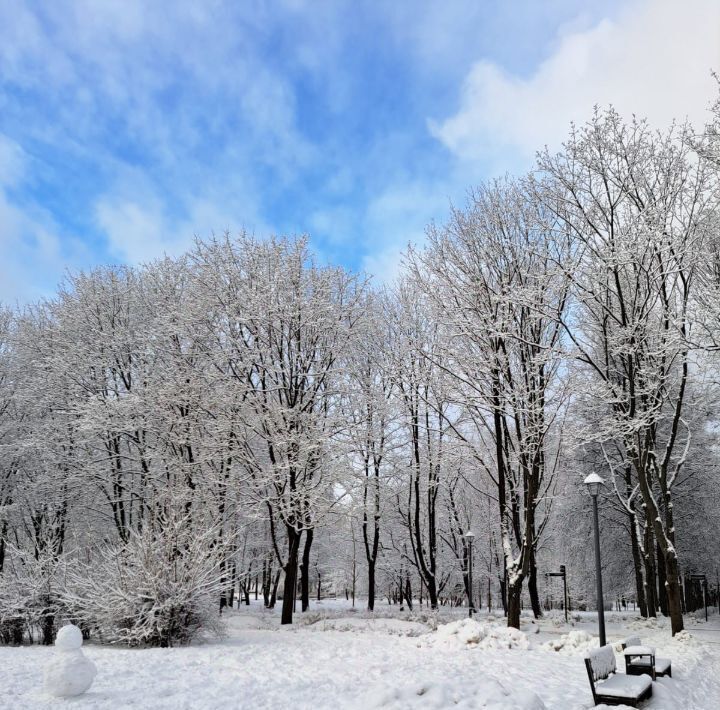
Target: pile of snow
468	633
484	692
650	623
555	617
684	637
393	627
573	643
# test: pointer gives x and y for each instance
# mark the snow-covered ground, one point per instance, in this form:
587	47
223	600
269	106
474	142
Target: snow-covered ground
336	657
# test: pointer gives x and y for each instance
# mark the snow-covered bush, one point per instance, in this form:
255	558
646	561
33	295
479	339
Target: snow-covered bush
159	589
30	598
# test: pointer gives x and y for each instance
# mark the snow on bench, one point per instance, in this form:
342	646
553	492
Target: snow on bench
641	659
610	687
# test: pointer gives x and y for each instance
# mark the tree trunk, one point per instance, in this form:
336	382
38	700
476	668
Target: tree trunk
305	571
673	592
408	592
266	581
371	585
48	627
233	584
223	594
273	595
290	570
662	583
514	593
503	594
532	587
3	533
650	580
638	564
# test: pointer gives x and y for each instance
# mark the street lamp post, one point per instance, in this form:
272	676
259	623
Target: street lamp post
593	482
470	536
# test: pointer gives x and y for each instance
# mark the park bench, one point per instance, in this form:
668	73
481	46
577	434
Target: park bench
614	688
641	659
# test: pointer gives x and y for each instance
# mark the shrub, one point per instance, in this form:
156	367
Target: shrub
30	597
159	589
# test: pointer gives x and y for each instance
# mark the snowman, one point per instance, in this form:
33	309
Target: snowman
69	673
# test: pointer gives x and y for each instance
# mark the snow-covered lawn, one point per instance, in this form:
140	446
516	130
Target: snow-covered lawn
339	658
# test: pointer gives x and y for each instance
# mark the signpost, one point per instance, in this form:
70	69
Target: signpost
702	578
562	574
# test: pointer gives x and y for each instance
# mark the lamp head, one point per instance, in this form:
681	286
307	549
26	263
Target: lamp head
469	535
593	482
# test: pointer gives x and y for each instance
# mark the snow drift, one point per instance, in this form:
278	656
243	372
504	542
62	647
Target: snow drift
468	633
573	643
481	693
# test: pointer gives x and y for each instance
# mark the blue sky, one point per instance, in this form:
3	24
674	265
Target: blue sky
127	127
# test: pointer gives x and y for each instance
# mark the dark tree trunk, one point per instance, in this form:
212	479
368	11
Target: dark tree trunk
371	585
650	580
514	592
266	581
273	595
305	571
371	543
661	580
408	592
638	564
503	594
3	533
233	584
223	594
532	588
290	570
48	627
673	593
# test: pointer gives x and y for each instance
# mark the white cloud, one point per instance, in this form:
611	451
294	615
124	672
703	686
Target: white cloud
139	227
397	217
653	60
32	257
385	266
12	161
171	114
135	232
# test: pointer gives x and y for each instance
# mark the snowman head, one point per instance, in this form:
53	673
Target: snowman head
69	638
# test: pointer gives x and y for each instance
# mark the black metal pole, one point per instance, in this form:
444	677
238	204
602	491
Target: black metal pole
565	596
598	574
470	584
